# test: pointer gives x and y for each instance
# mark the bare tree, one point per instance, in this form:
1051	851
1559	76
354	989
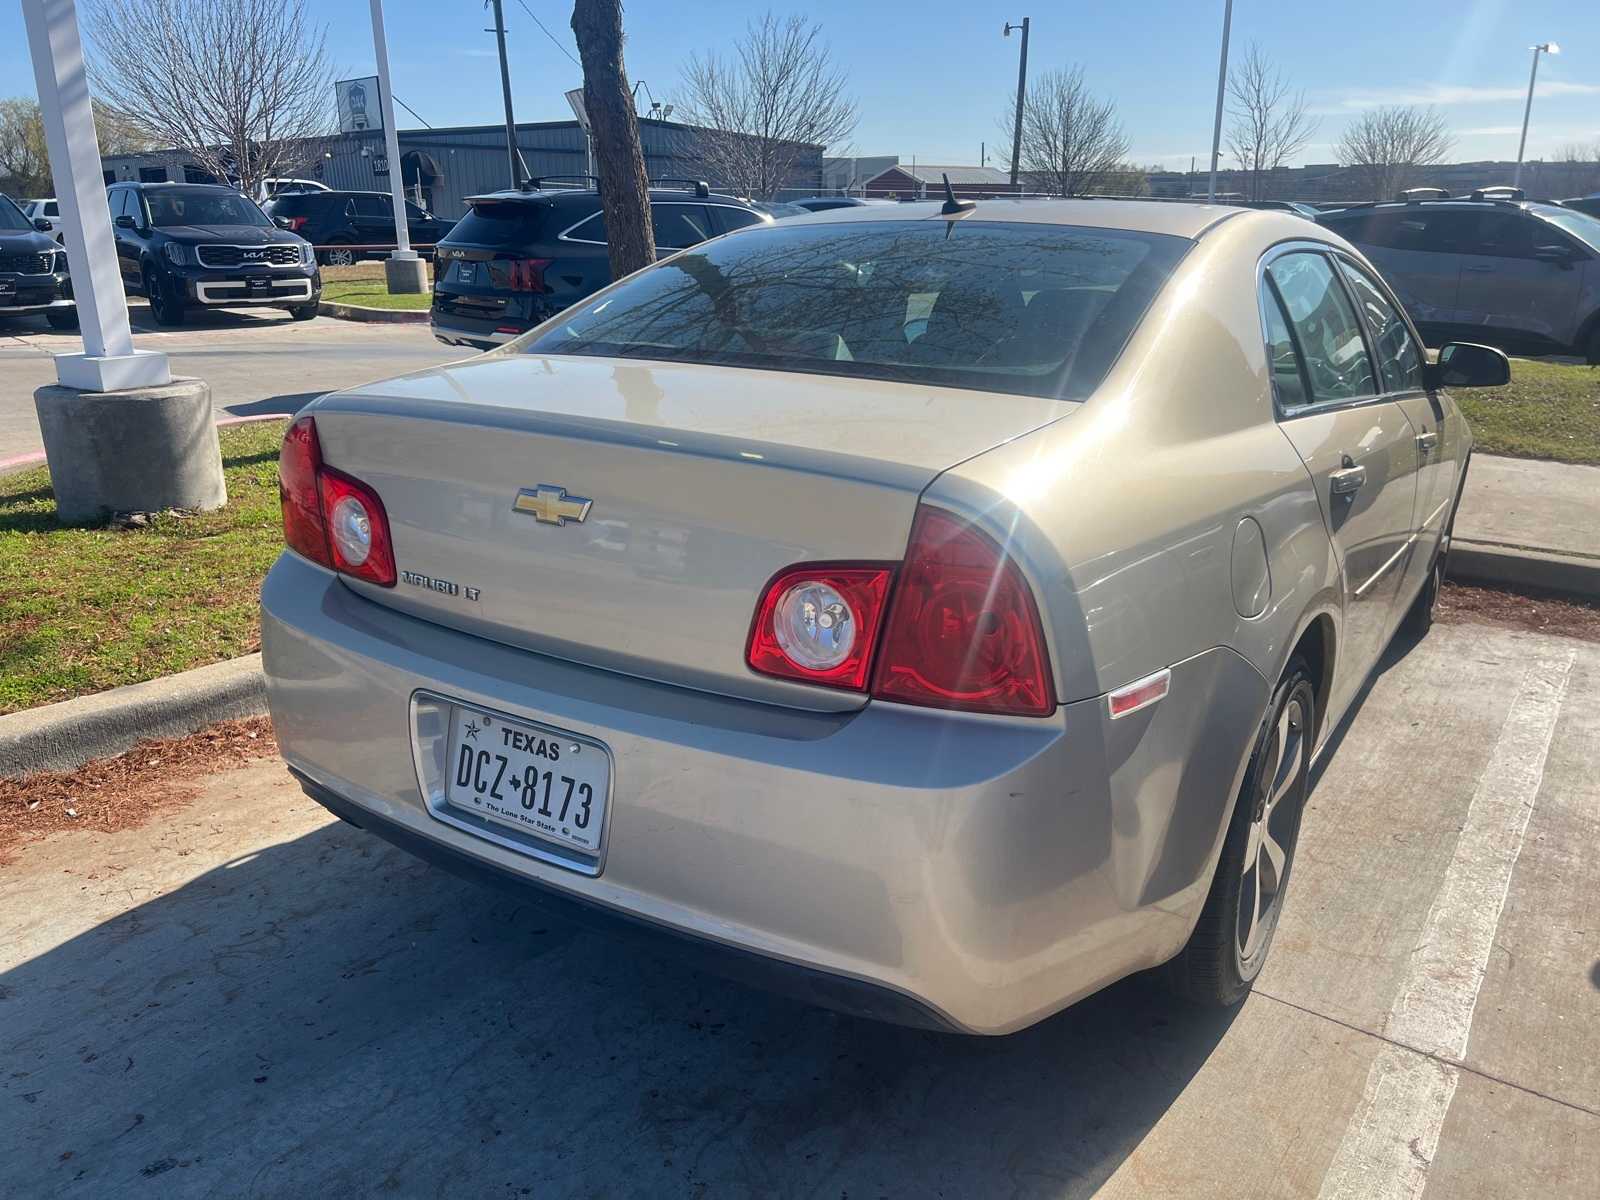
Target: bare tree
24	162
1387	147
1072	142
241	86
624	187
762	109
1269	124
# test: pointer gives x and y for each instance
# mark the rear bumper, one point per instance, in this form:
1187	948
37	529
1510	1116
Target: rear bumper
943	870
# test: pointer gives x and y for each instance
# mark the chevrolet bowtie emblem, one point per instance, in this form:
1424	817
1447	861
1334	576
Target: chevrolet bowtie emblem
550	505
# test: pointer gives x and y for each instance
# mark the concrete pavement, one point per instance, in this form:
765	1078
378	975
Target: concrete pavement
246	999
1529	504
256	361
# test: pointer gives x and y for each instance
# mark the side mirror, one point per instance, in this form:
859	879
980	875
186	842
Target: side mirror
126	222
1467	364
41	225
283	222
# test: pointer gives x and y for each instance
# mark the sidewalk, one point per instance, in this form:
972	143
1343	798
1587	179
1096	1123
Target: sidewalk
1545	515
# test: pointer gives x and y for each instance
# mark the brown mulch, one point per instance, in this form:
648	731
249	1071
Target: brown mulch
1459	604
110	794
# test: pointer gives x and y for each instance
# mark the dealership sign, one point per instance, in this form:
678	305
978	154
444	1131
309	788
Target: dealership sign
360	106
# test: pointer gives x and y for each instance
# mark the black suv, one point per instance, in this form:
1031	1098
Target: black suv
193	244
519	257
33	270
1517	274
338	222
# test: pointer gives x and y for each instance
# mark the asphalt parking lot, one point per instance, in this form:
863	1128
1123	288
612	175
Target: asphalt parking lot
243	998
256	361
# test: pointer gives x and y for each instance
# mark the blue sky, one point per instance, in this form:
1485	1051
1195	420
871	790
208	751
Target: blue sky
933	76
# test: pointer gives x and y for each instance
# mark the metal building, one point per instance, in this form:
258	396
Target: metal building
442	167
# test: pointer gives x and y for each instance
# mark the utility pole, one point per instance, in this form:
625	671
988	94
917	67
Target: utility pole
1022	91
1222	87
505	87
1527	110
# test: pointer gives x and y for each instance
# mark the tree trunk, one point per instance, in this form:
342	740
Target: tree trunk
619	160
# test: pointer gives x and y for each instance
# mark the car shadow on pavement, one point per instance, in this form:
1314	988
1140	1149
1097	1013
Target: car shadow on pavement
285	405
332	1017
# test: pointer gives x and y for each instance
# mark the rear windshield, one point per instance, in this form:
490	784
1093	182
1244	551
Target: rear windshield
1028	308
505	224
178	207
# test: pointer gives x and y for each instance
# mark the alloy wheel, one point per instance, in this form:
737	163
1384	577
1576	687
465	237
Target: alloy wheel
1273	826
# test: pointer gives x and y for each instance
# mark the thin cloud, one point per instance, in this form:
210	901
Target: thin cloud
1444	95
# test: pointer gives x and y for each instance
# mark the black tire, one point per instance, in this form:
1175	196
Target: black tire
62	318
303	312
1230	942
1419	617
338	256
164	307
1592	349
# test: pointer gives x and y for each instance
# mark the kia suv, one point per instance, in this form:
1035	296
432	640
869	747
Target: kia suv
344	225
1520	275
519	257
33	270
186	245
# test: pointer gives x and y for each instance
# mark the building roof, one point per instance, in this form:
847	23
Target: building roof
932	173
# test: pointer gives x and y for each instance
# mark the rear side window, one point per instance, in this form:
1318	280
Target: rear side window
1283	359
1325	327
728	218
504	225
680	225
373	206
1029	308
1399	356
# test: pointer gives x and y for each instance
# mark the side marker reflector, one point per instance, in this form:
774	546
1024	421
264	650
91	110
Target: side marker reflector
1141	693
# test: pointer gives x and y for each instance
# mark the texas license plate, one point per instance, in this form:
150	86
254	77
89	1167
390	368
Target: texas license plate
544	782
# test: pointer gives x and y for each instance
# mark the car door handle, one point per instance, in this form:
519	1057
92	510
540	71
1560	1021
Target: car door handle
1348	481
1427	440
1480	268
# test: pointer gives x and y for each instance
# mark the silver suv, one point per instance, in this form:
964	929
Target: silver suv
1520	275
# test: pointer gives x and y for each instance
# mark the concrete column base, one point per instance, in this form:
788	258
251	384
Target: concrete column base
405	276
136	450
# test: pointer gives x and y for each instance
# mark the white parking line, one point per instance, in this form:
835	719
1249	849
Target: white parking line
1390	1142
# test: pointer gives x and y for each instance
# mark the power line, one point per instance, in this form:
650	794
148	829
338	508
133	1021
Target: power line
409	109
549	35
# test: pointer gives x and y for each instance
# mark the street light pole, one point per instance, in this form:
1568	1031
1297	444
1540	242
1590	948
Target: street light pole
1022	91
505	89
1222	87
391	138
1527	109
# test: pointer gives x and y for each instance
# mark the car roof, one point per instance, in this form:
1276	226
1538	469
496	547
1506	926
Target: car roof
561	193
145	186
1177	218
1536	207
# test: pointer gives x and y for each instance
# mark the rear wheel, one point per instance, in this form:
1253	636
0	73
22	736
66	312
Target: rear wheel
1230	941
338	256
62	318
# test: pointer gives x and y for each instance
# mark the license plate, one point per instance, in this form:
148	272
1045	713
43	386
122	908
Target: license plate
545	782
466	272
258	285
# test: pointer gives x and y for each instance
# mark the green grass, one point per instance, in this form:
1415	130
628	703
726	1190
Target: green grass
1549	410
371	293
84	609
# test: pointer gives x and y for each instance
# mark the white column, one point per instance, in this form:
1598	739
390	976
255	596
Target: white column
109	361
391	138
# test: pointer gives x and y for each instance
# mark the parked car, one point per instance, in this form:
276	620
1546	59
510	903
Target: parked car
519	257
47	211
185	245
33	270
939	614
1589	206
338	223
778	210
1309	211
268	188
824	203
1520	275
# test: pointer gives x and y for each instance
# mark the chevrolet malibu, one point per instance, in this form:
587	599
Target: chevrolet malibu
933	610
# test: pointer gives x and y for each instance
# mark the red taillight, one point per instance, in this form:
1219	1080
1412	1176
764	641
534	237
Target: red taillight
962	630
296	224
818	623
329	517
519	274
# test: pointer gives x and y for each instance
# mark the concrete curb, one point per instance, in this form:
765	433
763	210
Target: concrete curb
61	737
1524	567
375	316
34	457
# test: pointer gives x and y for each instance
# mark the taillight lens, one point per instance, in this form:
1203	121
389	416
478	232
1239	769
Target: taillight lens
519	274
296	224
818	623
962	630
329	517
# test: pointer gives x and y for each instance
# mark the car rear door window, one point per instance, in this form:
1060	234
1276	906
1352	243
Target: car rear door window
727	218
1325	327
374	207
679	225
592	229
1283	357
1399	356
